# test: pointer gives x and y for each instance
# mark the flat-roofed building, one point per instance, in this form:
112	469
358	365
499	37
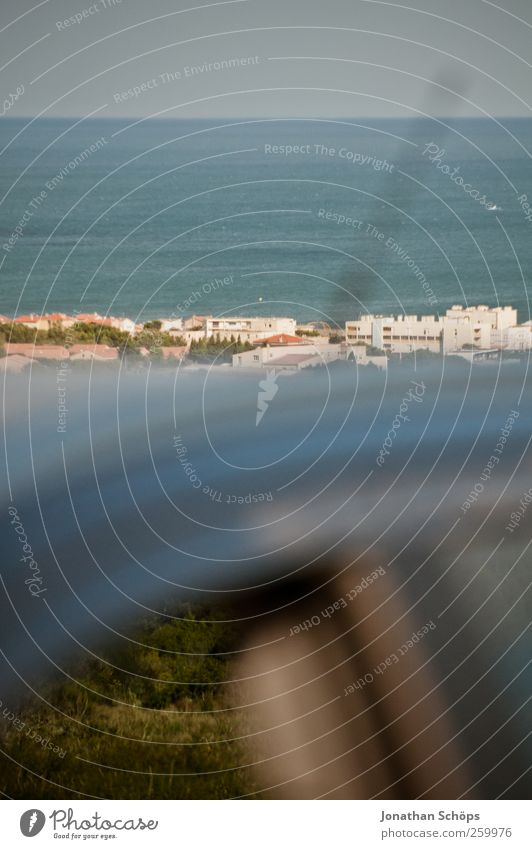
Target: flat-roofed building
481	326
305	354
461	327
248	328
171	325
396	334
498	318
519	338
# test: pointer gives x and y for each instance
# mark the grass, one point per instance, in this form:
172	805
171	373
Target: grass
121	735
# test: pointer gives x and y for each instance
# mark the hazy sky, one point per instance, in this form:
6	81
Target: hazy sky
301	57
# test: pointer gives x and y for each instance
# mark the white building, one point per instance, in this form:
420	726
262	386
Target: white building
293	356
169	325
124	324
120	323
481	326
249	329
358	354
296	356
519	338
397	334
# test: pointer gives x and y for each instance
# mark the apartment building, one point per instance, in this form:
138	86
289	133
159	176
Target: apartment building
250	329
461	327
481	326
519	338
396	334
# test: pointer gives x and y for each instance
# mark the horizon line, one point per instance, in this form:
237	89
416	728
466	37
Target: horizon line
502	117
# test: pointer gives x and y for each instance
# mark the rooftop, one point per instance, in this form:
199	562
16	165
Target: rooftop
282	339
290	360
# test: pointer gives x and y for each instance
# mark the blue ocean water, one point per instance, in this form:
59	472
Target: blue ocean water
145	224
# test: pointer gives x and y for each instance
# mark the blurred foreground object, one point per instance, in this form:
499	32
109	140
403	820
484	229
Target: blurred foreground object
157	485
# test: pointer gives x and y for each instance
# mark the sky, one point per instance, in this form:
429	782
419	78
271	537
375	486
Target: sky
328	58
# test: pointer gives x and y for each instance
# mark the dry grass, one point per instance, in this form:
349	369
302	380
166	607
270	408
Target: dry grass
137	739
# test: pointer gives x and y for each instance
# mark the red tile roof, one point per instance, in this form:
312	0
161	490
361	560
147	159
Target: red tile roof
173	351
105	351
281	339
43	352
94	318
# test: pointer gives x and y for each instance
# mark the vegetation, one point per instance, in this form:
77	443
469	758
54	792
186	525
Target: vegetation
153	338
84	333
21	333
300	332
336	338
213	349
419	356
125	735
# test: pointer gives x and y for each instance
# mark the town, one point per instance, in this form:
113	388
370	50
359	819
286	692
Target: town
474	333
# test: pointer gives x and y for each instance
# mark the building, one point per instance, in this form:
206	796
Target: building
396	334
519	338
498	318
93	352
361	358
480	356
195	322
176	352
284	339
35	322
59	318
171	325
294	362
291	355
121	323
321	328
37	352
60	353
249	329
43	322
482	326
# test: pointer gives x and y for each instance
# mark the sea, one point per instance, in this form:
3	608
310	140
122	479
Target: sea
320	220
